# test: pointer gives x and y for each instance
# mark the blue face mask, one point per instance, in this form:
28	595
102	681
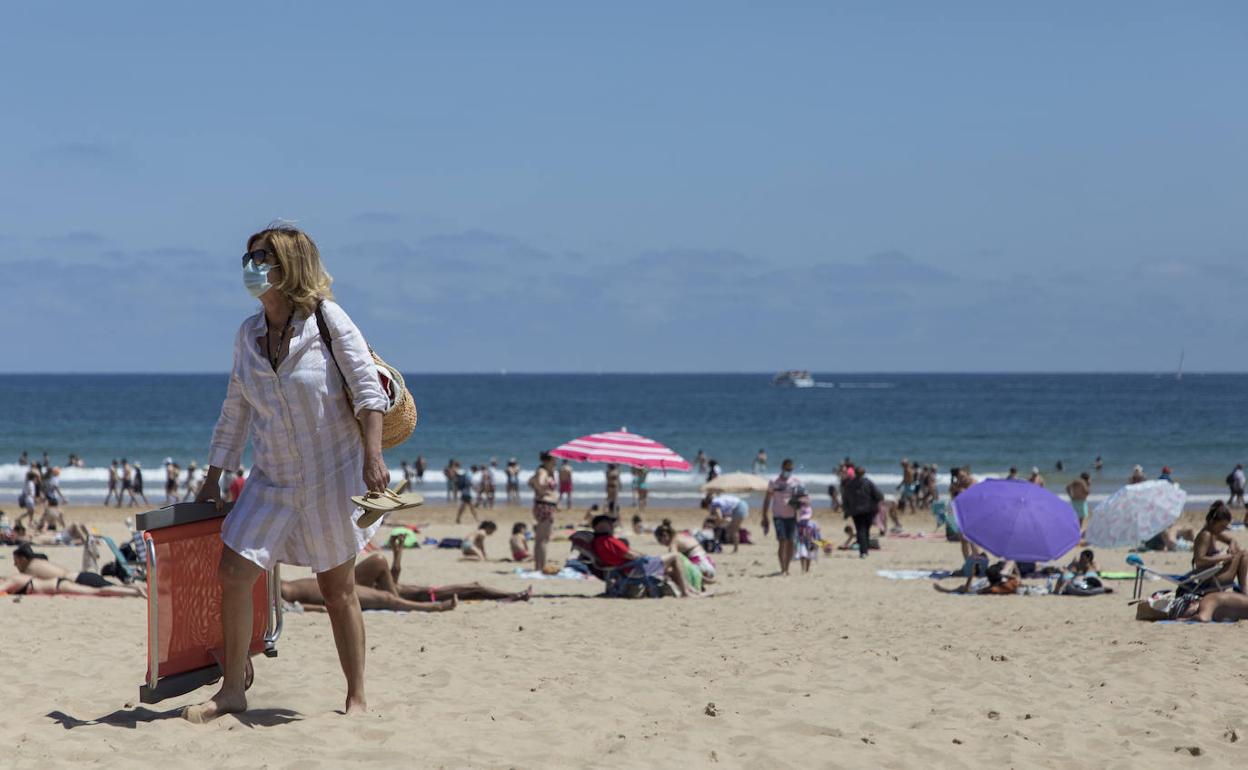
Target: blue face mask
256	279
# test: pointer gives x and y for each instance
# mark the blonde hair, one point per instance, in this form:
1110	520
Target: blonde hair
304	279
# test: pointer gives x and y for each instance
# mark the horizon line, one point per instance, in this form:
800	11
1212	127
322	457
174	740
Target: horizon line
638	373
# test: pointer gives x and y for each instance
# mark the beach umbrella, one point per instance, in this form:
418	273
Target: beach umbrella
621	447
1135	513
739	483
1017	520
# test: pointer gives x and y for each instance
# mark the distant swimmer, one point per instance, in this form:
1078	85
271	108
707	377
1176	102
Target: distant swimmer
1035	477
1059	466
760	461
419	468
1137	475
700	461
1098	464
1012	475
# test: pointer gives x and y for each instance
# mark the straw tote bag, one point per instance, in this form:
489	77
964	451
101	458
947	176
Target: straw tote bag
399	420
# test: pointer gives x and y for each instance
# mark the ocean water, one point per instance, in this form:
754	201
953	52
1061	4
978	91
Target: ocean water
1194	425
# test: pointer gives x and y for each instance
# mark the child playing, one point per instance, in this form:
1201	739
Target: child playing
807	529
473	547
519	543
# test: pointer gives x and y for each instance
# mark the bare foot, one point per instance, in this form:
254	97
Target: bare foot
220	705
449	604
356	705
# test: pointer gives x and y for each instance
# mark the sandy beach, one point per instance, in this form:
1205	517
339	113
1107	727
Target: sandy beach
838	668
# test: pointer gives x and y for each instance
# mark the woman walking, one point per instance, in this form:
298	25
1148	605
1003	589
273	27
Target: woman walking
313	448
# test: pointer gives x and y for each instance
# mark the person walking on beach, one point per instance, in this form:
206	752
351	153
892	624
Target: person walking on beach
451	474
192	480
513	481
172	473
565	483
862	501
1078	490
113	487
613	490
760	462
463	483
776	501
136	485
419	469
641	487
1236	483
235	489
126	482
313	448
700	461
545	503
487	484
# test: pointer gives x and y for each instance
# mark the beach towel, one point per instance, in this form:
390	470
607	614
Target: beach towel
567	573
913	574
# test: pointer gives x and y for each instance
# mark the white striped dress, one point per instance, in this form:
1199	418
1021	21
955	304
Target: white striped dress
309	456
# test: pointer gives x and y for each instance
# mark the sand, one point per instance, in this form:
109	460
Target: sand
838	668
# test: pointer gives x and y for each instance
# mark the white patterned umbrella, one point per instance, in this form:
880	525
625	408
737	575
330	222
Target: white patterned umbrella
1135	513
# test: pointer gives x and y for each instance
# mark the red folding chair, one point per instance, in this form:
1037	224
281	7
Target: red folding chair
184	644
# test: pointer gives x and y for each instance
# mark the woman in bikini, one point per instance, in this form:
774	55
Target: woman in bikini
687	545
36	565
545	503
25	584
1205	551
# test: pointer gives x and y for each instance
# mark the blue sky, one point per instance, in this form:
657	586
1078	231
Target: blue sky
635	187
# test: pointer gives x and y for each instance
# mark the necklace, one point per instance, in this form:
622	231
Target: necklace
268	339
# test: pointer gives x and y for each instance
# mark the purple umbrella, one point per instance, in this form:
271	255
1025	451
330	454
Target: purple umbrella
1017	520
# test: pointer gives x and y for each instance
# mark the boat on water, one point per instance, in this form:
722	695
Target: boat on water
793	378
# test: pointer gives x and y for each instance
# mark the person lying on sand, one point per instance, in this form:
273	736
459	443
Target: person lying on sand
373	572
33	564
473	546
1002	579
25	584
1221	605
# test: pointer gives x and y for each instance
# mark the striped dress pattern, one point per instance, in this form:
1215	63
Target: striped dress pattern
308	451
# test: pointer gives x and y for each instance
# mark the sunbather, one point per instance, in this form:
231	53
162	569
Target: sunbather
25	584
373	572
33	564
1220	605
307	592
1205	552
1002	578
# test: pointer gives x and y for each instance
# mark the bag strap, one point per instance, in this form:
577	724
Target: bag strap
329	345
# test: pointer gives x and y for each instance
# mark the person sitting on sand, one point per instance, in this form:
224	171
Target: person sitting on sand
687	545
614	552
1084	564
33	564
473	546
851	541
1205	552
1002	578
639	526
519	544
26	584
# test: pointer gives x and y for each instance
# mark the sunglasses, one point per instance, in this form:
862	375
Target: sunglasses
260	257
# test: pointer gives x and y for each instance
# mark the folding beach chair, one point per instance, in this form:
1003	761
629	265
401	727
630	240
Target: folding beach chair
626	581
130	570
184	643
1187	583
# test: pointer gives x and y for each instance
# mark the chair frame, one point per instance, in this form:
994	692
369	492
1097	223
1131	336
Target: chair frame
158	688
1189	582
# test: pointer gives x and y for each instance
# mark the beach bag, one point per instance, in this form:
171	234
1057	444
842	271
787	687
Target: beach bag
1084	586
399	420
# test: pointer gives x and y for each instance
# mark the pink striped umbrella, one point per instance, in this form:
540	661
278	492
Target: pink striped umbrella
621	447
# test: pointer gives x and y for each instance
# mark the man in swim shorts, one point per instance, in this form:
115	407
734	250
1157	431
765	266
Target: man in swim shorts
1078	490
